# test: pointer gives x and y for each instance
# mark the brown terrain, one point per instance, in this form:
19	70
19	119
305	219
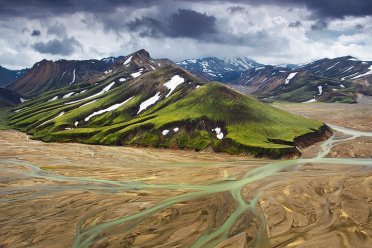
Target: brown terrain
75	195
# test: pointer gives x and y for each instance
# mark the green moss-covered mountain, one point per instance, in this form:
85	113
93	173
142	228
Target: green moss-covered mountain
167	107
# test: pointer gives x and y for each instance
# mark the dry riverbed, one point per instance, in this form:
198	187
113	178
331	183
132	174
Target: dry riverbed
74	195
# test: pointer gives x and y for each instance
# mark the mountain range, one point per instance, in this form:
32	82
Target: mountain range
221	70
141	101
327	80
8	76
341	79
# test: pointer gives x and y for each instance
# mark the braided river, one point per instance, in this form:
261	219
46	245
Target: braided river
75	195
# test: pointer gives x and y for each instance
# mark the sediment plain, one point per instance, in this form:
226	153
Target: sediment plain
75	195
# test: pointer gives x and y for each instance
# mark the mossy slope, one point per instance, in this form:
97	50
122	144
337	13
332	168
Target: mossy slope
192	115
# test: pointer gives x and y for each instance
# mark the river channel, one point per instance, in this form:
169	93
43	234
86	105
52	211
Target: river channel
74	195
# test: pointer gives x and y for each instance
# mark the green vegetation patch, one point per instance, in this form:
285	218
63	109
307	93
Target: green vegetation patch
4	114
188	118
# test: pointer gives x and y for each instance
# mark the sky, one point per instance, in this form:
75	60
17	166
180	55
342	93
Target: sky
268	31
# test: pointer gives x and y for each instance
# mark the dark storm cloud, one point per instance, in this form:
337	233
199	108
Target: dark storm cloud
36	9
339	8
319	25
57	29
35	33
189	23
296	24
147	27
318	8
66	46
183	23
47	8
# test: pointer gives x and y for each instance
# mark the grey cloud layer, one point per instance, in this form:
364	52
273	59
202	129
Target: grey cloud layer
65	47
45	8
184	23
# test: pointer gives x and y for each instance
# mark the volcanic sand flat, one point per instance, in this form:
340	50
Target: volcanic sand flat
130	197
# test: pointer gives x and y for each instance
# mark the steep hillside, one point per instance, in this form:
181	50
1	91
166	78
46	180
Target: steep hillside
167	107
276	83
8	76
343	68
49	75
222	70
9	98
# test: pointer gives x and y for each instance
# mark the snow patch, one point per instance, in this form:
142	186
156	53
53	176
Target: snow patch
175	129
54	98
128	60
62	75
173	83
136	74
18	110
85	104
107	88
165	132
23	100
113	107
310	101
218	132
342	86
198	86
332	66
60	114
364	74
68	95
73	77
320	88
263	80
144	105
122	80
258	68
290	76
349	68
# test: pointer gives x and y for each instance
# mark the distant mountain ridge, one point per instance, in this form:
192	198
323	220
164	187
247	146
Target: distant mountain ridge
9	98
343	68
326	80
219	69
7	76
49	75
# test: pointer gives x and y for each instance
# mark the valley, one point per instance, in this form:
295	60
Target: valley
77	195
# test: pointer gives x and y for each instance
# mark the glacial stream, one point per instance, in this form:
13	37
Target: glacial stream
86	235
